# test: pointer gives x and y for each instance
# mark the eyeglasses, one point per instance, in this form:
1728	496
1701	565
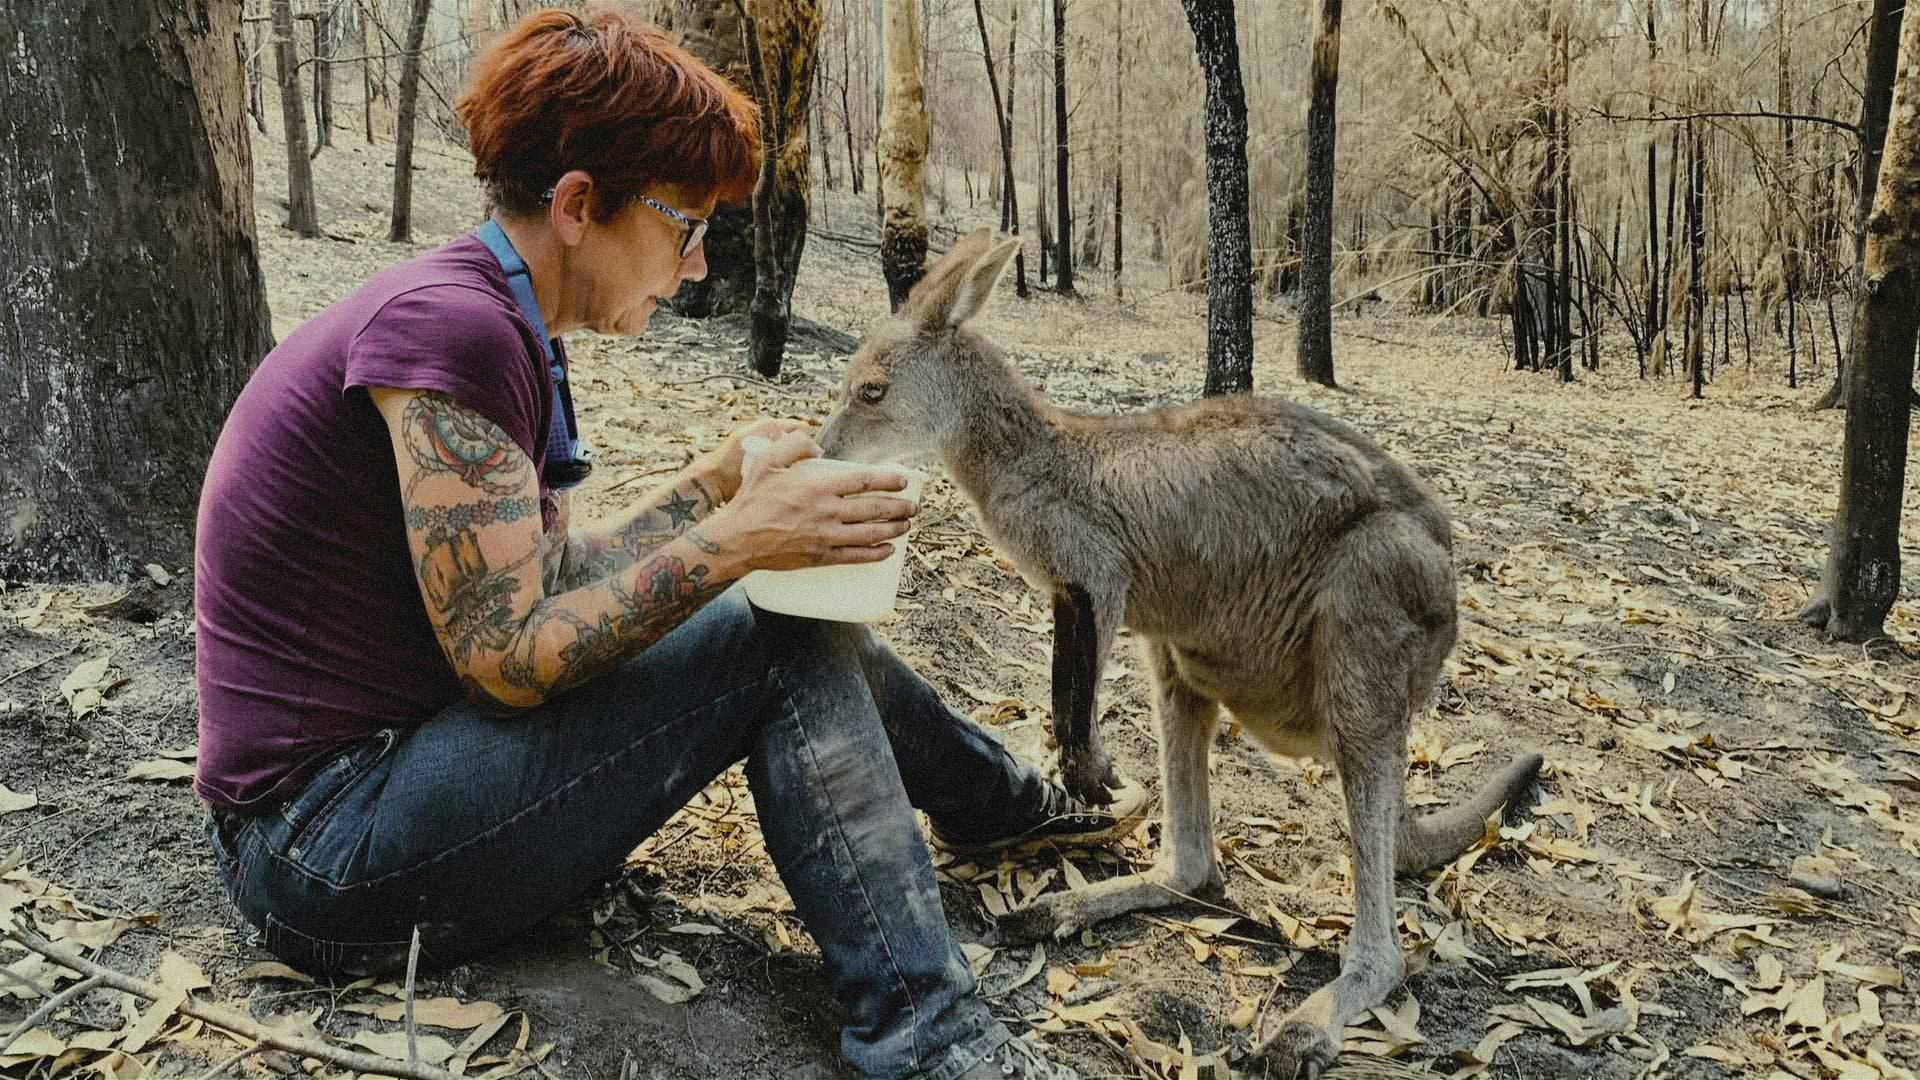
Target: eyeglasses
696	228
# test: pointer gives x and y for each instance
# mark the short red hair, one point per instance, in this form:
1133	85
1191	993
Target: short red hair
610	93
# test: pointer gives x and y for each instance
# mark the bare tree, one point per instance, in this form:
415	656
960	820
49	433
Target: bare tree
714	31
1883	43
401	229
1229	237
323	30
1119	155
1316	271
256	76
1863	567
782	45
1563	194
302	217
903	155
1063	251
117	377
1003	124
368	87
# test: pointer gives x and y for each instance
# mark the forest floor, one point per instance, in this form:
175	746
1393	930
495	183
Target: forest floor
1630	562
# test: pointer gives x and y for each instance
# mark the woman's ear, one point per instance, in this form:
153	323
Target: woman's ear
571	208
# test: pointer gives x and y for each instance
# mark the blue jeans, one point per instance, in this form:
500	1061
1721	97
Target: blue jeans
473	829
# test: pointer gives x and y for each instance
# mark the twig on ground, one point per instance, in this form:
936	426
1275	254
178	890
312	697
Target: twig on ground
413	969
228	1063
225	1018
53	1004
31	984
58	863
38	664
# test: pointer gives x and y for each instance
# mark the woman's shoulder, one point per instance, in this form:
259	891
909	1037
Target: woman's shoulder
461	276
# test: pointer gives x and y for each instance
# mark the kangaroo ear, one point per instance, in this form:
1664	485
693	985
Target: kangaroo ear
946	297
977	282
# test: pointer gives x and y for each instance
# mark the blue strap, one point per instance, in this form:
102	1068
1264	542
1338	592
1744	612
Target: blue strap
563	433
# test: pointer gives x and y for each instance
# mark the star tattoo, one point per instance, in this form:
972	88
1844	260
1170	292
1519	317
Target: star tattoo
679	510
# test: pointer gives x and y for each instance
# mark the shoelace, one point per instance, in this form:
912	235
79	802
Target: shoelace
1060	806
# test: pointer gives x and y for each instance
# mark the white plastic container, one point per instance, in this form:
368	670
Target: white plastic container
858	592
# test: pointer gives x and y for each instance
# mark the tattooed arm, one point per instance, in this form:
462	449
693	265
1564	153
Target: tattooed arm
576	556
470	496
472	503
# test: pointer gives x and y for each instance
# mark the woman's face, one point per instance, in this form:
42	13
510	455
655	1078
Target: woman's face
620	270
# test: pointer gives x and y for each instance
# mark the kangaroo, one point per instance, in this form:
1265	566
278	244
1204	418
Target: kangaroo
1273	561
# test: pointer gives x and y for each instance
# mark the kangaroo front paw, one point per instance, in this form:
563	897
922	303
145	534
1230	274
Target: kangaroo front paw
1050	917
1298	1051
1089	777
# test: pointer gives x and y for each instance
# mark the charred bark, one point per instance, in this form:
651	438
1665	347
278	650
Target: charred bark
118	376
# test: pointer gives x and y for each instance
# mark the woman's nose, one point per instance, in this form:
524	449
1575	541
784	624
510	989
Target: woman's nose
694	266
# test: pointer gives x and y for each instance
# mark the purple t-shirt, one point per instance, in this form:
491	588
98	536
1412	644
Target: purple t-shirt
312	631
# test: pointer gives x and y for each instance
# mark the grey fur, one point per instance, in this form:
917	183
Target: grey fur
1274	561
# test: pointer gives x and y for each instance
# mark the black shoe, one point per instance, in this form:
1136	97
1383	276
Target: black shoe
1061	819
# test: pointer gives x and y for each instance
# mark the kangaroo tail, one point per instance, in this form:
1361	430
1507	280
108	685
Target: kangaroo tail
1440	837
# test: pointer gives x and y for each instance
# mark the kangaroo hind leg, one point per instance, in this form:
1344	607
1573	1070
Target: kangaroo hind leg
1185	866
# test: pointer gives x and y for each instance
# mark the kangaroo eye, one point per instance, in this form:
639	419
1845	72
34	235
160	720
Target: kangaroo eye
872	393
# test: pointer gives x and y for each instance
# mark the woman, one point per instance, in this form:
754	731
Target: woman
426	701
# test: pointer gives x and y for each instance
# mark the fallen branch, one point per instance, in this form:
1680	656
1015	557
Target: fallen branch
413	966
53	1004
15	977
224	1018
43	662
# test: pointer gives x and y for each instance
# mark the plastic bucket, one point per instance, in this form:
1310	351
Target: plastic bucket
858	592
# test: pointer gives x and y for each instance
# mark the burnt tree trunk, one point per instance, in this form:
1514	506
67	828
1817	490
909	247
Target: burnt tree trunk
1790	231
1040	190
903	155
1863	568
256	79
1696	247
1883	43
1563	207
401	229
819	136
322	80
782	48
1655	298
118	377
1063	216
1003	114
714	31
856	166
1229	237
368	88
1119	158
302	217
1316	262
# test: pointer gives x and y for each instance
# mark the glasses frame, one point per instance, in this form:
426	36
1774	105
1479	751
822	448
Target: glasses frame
696	228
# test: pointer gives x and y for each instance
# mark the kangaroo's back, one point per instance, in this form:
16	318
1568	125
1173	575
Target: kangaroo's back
1227	510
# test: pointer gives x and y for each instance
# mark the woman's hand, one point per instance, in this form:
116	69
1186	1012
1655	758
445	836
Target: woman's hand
784	518
722	465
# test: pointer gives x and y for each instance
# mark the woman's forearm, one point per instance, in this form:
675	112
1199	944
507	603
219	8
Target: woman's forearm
594	552
571	637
